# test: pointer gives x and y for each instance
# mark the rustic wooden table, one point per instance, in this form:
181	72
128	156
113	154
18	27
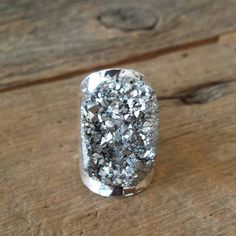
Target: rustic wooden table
186	49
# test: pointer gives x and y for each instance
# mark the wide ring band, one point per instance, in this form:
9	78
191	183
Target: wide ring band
119	129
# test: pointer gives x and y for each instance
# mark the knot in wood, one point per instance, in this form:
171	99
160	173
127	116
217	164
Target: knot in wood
128	18
204	94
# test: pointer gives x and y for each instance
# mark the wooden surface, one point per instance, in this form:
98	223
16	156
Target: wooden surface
57	39
191	63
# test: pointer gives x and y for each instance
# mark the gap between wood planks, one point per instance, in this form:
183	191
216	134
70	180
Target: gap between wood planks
137	58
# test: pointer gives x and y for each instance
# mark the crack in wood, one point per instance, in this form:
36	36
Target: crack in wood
204	94
201	94
137	58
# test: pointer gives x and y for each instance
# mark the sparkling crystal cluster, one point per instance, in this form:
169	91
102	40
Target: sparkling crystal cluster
119	128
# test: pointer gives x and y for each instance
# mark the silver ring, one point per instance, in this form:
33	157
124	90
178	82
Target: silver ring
119	130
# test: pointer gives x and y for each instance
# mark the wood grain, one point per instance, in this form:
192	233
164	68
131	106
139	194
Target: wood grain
50	39
193	192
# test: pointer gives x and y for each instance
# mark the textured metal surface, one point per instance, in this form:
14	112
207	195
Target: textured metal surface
119	120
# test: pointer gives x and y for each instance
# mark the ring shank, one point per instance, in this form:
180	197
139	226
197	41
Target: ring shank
108	191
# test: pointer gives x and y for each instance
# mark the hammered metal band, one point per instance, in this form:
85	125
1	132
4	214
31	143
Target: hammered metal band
119	129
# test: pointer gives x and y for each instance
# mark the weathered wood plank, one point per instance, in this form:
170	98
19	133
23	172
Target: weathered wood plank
193	192
46	39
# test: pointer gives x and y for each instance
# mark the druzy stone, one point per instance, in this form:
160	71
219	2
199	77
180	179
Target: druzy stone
119	121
